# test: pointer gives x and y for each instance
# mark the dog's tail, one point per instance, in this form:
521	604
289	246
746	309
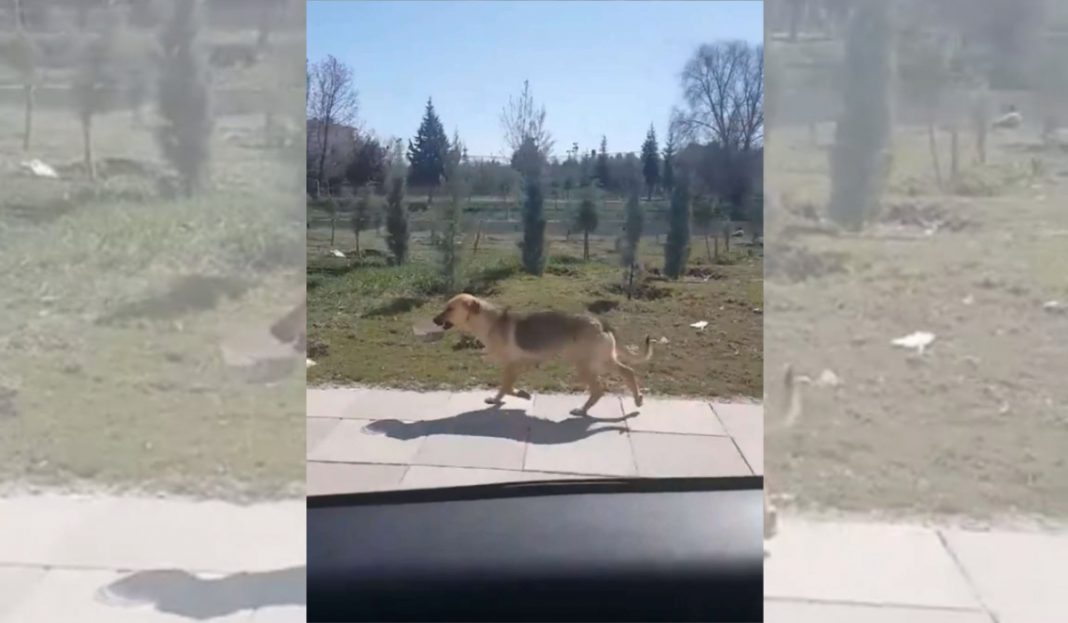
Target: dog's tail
646	355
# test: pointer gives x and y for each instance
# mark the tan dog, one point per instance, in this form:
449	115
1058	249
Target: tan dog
517	341
792	385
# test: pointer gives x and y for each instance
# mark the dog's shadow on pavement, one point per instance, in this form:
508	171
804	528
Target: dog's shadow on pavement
181	593
501	423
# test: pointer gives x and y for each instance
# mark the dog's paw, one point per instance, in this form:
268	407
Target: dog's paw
578	412
522	394
639	400
493	400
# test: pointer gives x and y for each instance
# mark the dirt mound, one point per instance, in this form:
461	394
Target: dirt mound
794	264
924	216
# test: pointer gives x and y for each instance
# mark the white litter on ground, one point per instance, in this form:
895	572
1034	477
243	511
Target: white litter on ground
828	378
39	168
917	341
337	253
1055	307
308	363
700	325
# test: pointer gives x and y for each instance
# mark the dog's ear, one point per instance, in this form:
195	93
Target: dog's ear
473	306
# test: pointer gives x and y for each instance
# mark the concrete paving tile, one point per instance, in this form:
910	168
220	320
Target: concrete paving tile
864	563
331	402
557	407
144	533
379	403
364	441
68	595
281	614
15	584
501	448
745	424
318	428
776	611
464	402
578	446
329	478
1021	577
661	456
429	477
664	415
34	525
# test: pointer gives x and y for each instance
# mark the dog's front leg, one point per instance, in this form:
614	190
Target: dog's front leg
508	376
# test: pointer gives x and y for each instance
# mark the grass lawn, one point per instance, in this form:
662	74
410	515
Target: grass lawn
147	403
975	427
361	314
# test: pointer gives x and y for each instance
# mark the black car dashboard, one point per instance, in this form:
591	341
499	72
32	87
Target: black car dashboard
663	549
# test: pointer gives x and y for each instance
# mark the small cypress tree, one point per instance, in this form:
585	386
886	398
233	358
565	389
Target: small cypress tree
586	218
362	214
601	171
677	246
533	248
184	98
860	159
634	224
397	220
451	213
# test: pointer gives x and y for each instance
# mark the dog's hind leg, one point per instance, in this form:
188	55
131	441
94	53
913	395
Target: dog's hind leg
631	379
589	377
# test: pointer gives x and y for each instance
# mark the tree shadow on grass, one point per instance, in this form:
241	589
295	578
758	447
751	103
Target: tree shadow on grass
183	594
513	424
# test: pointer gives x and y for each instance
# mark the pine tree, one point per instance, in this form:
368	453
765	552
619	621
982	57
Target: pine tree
586	219
650	162
428	152
677	246
397	220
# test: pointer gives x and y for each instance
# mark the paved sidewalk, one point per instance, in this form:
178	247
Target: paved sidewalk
115	559
364	439
862	572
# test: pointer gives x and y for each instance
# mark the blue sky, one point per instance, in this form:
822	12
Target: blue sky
608	67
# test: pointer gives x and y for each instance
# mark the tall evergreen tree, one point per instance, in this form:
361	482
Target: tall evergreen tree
651	162
601	171
677	245
428	152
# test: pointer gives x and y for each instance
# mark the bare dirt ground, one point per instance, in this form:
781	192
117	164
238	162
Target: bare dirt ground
976	426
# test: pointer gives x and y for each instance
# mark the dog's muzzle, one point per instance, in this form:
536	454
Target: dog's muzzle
441	322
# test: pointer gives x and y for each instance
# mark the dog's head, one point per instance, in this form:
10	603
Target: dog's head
458	312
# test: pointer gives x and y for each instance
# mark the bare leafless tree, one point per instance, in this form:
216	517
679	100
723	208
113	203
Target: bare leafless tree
523	121
723	87
332	101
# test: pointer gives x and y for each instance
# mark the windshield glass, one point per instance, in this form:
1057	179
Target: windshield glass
534	242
